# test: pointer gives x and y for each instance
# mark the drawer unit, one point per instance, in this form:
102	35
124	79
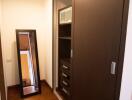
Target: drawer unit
64	78
65	69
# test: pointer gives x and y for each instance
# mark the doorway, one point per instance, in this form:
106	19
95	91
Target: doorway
21	17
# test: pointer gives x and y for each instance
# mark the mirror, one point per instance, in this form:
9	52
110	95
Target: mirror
28	62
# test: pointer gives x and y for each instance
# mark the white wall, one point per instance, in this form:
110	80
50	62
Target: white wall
27	14
0	34
48	16
126	87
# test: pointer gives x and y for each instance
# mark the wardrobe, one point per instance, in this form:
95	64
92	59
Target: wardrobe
97	44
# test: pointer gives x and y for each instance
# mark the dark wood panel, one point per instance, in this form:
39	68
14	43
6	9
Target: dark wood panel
2	81
122	47
97	33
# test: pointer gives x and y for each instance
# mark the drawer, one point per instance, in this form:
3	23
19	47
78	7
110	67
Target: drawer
65	82
65	75
66	71
65	67
66	91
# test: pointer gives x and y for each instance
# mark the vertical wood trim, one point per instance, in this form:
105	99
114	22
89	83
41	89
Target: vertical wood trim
72	44
122	47
53	46
2	80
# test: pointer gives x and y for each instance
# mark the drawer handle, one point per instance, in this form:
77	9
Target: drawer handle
71	53
113	68
64	90
65	67
64	75
65	83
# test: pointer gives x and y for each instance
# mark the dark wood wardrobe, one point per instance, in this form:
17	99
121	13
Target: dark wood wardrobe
98	33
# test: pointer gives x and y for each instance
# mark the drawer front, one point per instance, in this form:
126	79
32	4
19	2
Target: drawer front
65	82
64	79
65	67
65	90
65	75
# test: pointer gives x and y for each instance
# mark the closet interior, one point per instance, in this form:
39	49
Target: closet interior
63	29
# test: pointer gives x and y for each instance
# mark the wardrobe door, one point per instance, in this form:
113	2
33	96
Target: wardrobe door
97	29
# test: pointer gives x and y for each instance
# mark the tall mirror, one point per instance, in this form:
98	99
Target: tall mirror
28	62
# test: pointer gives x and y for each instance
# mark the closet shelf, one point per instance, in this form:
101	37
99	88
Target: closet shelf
67	38
66	60
69	23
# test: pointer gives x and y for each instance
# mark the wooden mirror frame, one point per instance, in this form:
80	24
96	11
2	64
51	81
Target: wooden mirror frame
19	62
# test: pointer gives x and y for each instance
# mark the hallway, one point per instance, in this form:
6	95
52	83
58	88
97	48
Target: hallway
47	94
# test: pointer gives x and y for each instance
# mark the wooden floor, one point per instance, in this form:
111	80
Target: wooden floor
47	94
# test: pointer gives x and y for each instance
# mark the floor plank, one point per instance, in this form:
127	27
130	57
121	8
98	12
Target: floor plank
47	94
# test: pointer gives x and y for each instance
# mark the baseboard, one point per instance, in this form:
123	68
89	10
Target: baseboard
58	95
13	86
47	84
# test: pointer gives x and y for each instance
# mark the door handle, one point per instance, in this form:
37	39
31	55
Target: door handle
113	68
71	53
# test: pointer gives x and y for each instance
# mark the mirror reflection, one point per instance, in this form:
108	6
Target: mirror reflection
28	62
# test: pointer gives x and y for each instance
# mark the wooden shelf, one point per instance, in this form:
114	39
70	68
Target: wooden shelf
69	23
67	38
66	60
